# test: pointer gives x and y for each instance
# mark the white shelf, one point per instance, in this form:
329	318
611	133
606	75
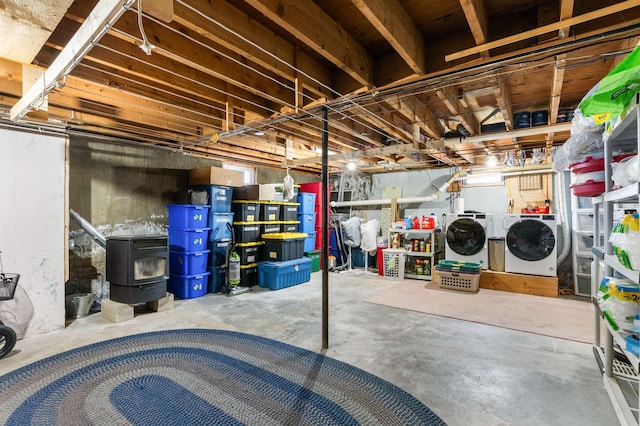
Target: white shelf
620	379
418	277
619	339
421	253
622	388
587	254
412	231
627	130
612	261
598	252
628	194
433	235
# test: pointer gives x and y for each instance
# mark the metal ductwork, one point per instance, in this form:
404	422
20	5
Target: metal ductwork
97	236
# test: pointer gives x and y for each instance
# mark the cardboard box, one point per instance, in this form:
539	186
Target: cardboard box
262	192
215	176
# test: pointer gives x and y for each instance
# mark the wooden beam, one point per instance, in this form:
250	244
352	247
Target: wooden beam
397	27
161	9
177	46
220	22
414	111
605	11
95	26
502	94
476	14
310	24
556	87
368	153
449	97
566	12
531	131
519	283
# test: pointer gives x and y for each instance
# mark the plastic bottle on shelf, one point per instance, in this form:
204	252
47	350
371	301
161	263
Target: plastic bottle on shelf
434	220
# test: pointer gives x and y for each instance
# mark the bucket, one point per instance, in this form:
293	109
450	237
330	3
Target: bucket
496	254
78	305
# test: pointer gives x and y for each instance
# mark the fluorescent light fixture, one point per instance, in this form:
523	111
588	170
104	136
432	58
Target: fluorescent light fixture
259	133
484	179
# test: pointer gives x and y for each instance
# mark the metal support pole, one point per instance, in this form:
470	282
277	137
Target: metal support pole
325	230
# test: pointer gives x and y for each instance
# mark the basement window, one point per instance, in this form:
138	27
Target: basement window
249	172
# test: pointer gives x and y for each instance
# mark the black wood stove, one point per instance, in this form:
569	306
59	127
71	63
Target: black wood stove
137	267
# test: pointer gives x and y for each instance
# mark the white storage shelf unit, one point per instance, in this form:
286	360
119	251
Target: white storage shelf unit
620	378
582	241
431	237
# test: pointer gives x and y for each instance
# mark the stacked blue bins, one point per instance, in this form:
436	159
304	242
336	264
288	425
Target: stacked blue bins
307	219
188	256
220	236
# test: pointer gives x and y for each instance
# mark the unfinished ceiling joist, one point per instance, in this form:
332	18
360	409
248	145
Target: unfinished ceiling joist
605	11
94	27
529	131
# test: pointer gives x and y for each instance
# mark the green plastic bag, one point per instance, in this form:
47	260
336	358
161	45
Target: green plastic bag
608	98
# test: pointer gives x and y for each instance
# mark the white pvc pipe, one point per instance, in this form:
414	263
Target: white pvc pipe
407	200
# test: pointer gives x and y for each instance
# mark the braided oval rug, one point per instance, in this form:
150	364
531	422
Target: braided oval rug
202	377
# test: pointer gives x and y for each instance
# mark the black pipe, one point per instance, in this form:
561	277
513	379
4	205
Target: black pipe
325	229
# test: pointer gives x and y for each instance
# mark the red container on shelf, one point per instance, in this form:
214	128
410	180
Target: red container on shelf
593	164
588	189
589	164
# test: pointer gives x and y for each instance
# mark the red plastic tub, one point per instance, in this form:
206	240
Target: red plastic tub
593	164
588	189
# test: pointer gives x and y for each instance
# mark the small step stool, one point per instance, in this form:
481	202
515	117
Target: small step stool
118	312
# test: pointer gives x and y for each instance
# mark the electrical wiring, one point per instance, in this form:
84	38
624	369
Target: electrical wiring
145	46
346	111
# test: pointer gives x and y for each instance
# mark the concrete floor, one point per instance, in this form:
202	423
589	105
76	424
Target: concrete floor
467	373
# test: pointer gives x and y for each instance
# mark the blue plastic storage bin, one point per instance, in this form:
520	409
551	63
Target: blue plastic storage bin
277	275
310	242
218	223
307	222
188	216
188	239
219	197
188	263
217	278
218	252
357	257
307	202
189	286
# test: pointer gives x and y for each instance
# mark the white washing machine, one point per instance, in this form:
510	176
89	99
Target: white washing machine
530	244
467	236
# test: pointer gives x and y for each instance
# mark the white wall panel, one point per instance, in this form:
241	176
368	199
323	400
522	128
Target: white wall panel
32	219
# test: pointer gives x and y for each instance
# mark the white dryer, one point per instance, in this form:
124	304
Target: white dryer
467	236
530	244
